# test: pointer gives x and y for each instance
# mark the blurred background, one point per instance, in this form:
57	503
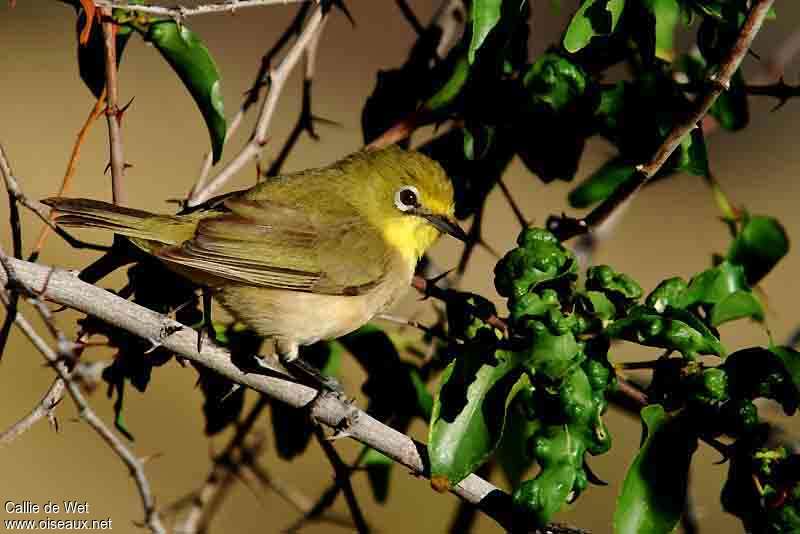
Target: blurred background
670	230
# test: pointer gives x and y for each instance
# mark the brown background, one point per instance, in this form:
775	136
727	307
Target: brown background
670	230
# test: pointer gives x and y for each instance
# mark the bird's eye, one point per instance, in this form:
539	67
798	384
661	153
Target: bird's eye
406	198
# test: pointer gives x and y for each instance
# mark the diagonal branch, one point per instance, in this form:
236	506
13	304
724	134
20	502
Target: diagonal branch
113	113
328	408
58	360
277	80
181	12
719	82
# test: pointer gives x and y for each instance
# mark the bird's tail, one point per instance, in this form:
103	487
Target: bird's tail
138	224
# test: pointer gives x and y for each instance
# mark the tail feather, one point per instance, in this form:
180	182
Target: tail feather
87	213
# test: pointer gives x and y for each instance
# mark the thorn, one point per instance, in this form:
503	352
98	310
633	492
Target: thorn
121	112
154	456
234	389
154	344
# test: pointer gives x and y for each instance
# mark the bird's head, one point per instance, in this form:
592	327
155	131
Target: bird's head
407	196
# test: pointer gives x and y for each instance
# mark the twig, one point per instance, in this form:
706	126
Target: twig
342	477
225	466
57	360
181	12
44	408
719	82
305	122
466	514
112	110
278	79
253	94
97	110
328	408
326	498
523	222
39	209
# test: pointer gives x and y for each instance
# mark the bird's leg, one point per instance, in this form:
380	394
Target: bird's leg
289	355
208	325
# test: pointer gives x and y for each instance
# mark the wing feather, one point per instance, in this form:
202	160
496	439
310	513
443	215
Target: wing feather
262	243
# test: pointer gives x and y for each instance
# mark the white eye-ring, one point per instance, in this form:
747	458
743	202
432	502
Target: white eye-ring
406	198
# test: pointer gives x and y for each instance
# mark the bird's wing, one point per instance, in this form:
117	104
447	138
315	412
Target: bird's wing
266	244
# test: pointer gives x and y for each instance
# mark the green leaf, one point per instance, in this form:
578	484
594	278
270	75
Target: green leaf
593	18
692	155
452	87
192	62
731	108
469	412
601	183
666	14
554	81
737	305
713	285
790	359
758	247
654	492
485	15
673	329
513	450
379	469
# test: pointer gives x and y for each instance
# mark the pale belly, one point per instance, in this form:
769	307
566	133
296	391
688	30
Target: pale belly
305	318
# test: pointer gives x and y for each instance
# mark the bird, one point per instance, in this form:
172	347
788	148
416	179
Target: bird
300	257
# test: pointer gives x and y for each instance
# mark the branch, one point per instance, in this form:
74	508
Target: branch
328	408
278	79
222	472
719	82
113	113
44	408
181	12
97	110
58	359
253	94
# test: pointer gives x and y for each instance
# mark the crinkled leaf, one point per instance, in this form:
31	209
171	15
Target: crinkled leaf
601	183
654	492
554	81
737	305
594	17
673	329
469	412
192	62
758	247
485	15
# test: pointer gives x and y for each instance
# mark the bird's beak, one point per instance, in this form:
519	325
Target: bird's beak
446	225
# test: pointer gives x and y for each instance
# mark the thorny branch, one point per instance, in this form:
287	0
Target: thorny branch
253	94
59	359
113	113
327	408
718	82
277	79
181	12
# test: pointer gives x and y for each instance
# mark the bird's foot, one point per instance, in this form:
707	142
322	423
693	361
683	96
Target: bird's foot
309	375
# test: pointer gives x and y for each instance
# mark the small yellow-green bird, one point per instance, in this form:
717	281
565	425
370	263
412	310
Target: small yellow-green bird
302	257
